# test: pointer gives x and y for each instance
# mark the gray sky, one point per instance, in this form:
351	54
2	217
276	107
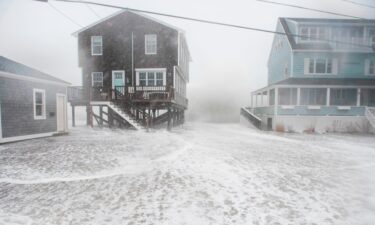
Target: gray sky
227	63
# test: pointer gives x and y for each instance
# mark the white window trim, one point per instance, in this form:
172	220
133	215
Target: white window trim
92	45
92	79
155	70
367	67
43	116
334	66
156	44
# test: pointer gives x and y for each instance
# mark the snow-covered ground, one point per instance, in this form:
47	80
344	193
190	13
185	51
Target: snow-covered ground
199	174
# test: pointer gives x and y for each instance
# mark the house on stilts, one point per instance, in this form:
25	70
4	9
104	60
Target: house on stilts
321	77
134	72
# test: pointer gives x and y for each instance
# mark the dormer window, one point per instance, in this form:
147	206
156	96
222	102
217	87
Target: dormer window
150	44
312	34
96	45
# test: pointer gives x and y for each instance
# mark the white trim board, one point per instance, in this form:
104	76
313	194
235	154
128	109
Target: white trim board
26	137
33	79
1	127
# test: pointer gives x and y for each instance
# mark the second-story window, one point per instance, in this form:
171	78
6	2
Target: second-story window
150	44
96	45
97	79
320	66
370	67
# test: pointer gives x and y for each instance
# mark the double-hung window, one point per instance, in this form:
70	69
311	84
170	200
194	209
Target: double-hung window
320	66
39	98
151	79
97	79
150	44
370	67
96	45
142	79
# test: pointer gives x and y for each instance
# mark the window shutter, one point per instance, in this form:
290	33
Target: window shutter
164	79
137	78
367	66
335	63
306	65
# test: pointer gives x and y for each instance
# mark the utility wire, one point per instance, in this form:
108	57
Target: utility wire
360	4
63	14
92	10
218	23
310	9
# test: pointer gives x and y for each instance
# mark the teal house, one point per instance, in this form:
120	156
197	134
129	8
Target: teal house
321	77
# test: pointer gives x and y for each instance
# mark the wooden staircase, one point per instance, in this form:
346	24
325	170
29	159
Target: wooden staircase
252	118
370	115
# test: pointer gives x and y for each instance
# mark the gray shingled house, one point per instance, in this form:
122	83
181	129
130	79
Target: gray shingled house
32	103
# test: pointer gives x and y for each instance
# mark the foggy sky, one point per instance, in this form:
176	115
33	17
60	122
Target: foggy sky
227	63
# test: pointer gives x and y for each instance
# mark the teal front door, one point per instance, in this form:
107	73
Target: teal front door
118	81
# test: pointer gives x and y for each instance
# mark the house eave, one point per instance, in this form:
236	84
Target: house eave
75	34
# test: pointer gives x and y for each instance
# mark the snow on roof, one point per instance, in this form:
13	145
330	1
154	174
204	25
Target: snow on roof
122	11
13	67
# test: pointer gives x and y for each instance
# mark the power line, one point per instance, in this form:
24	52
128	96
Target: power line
63	14
92	10
218	23
310	9
360	4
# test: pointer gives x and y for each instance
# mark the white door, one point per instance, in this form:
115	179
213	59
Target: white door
61	113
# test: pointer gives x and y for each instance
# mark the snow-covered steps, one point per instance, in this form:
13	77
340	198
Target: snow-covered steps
132	121
370	115
256	121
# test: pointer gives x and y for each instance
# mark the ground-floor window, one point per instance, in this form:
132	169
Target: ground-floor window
97	79
39	102
343	96
368	97
313	96
287	96
149	77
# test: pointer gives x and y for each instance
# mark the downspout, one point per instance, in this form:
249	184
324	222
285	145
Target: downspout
133	78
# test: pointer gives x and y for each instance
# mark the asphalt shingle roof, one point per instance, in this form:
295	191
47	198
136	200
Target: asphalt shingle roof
10	66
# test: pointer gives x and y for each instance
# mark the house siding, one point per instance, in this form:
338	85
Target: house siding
17	112
350	65
117	48
279	58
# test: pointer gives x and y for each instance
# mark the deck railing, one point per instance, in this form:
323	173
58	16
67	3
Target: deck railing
141	94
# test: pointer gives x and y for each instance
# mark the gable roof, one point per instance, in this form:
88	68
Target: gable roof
315	45
13	67
128	11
